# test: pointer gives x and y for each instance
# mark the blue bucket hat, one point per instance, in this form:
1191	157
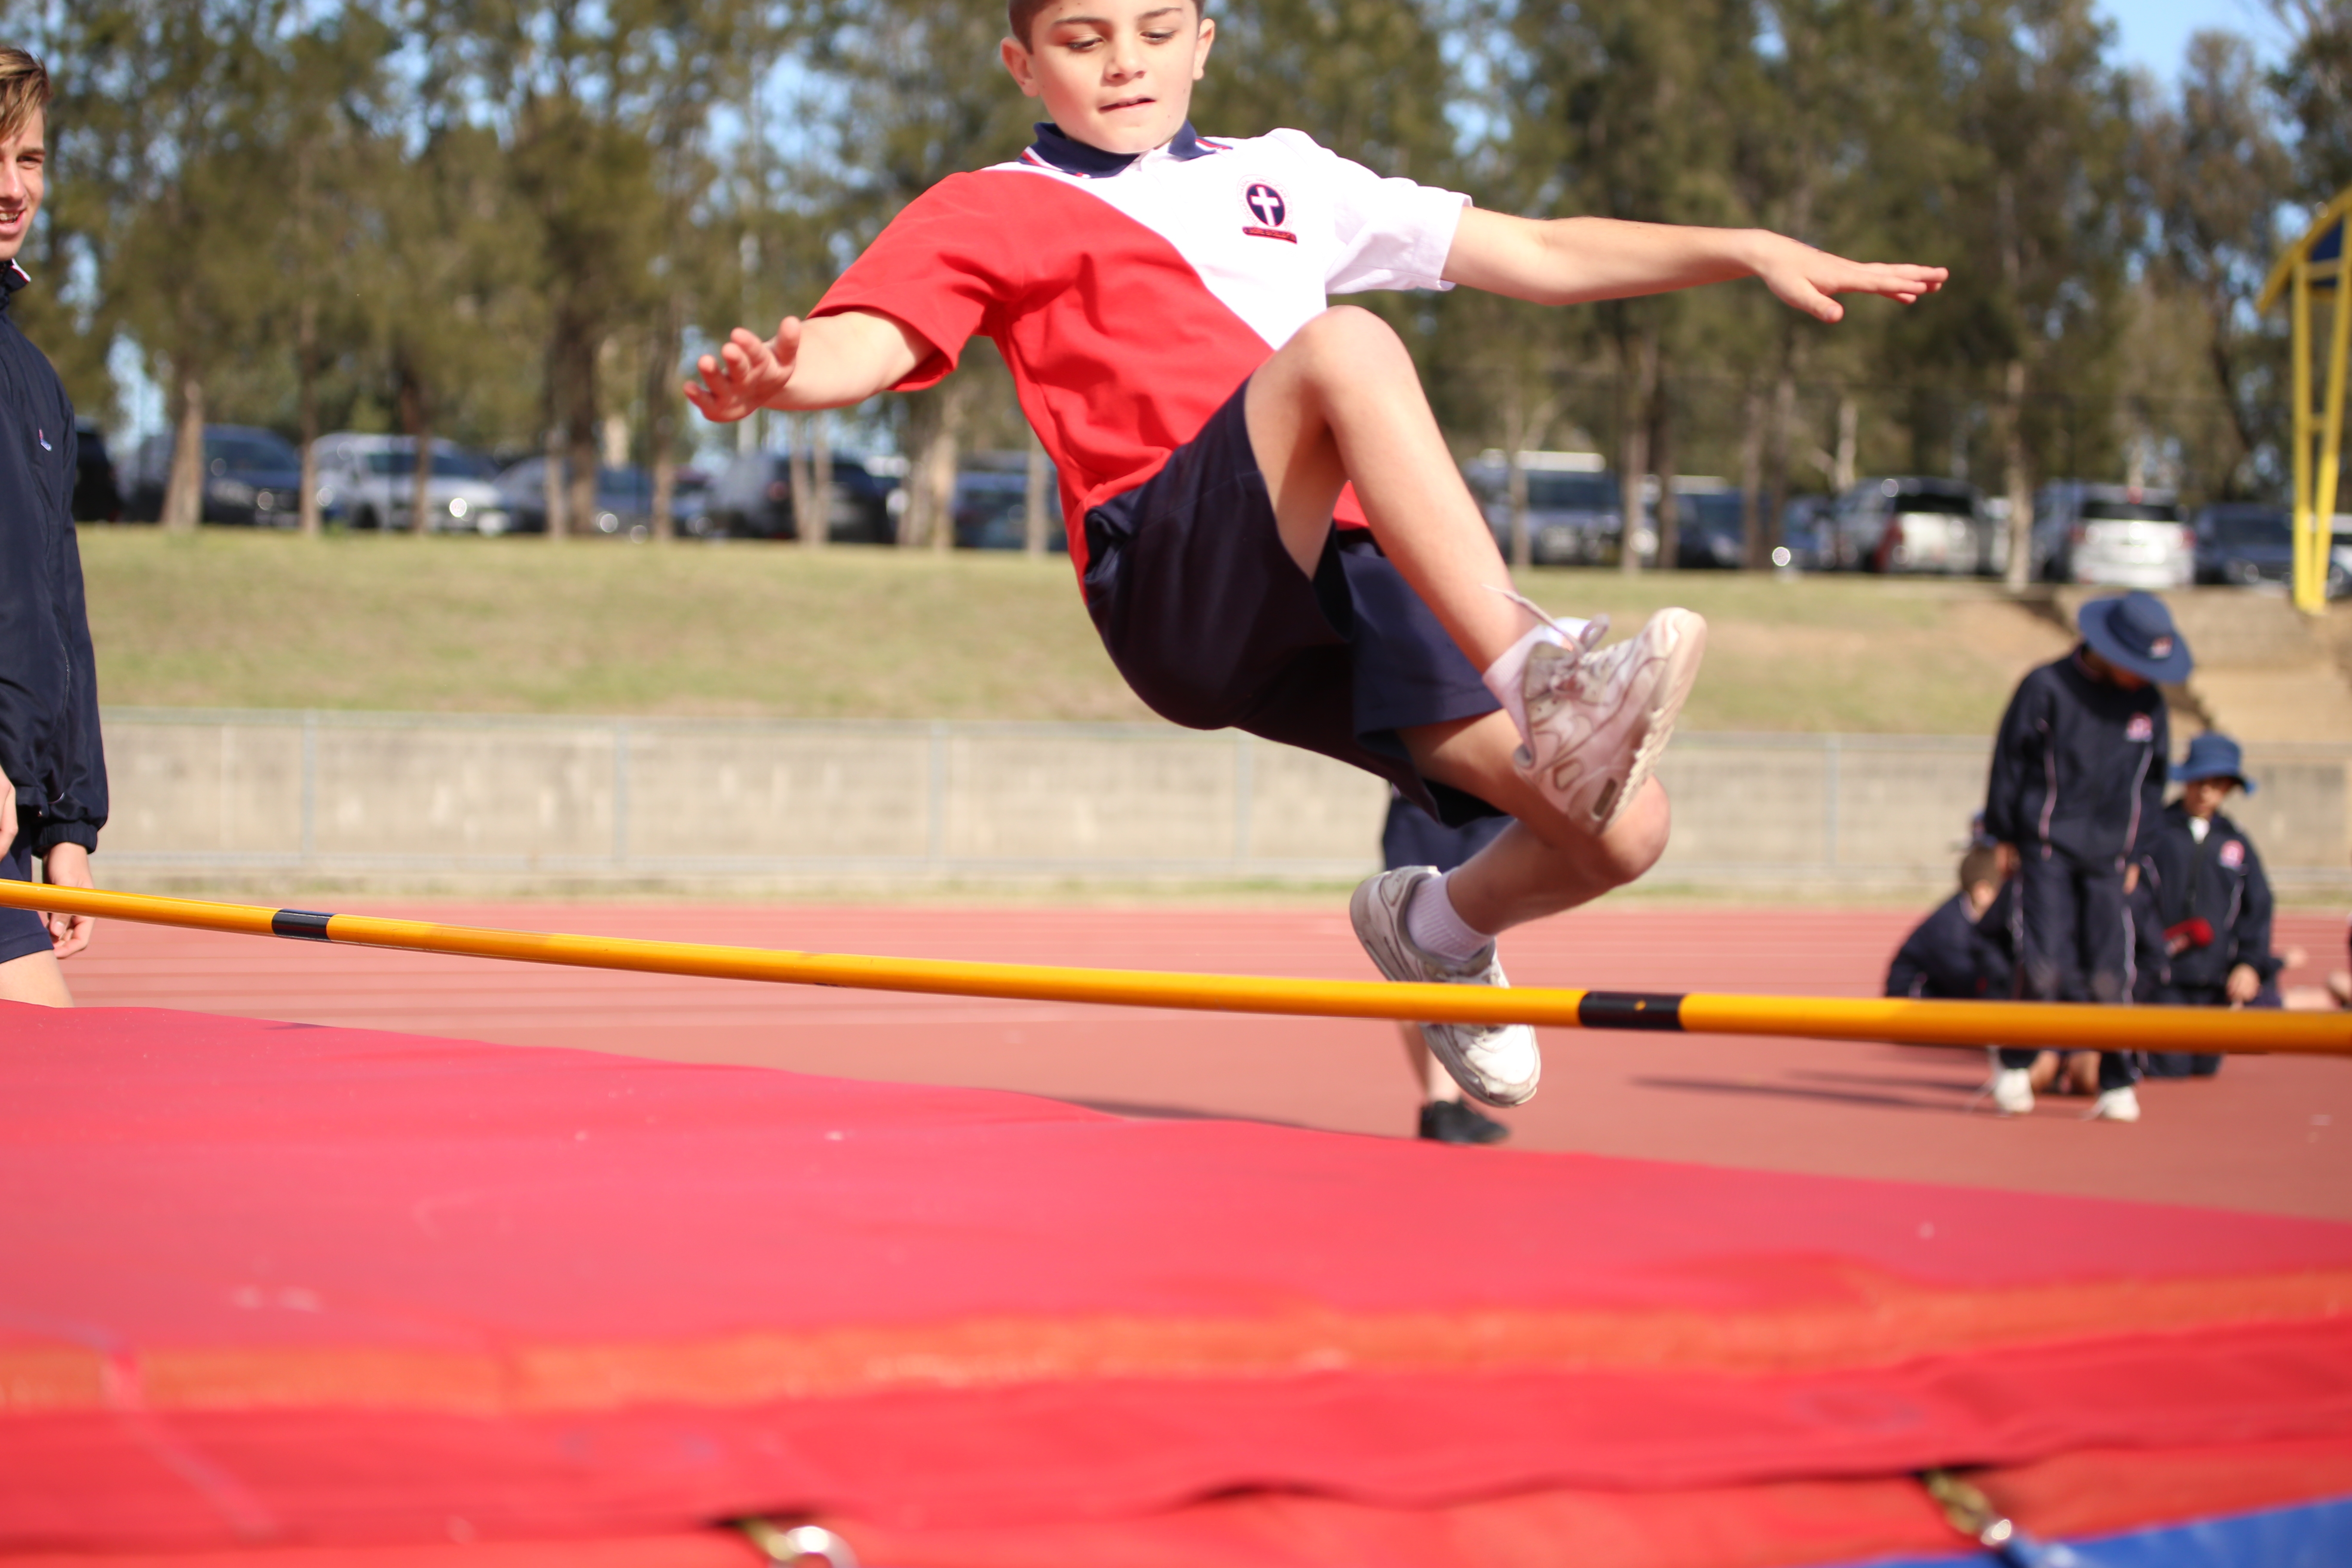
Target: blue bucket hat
2213	755
2134	631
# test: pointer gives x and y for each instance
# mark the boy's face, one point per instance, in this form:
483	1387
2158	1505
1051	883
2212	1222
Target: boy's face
22	159
2112	673
1114	74
2203	797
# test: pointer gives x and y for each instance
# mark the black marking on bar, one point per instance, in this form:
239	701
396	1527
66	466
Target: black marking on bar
306	925
1629	1010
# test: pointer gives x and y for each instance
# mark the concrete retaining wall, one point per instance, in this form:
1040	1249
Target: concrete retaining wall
486	802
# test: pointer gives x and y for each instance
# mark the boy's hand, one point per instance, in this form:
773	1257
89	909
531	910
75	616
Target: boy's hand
1805	277
748	374
68	866
2243	985
7	815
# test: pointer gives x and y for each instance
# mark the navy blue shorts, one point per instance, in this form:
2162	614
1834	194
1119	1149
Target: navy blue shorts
21	930
1210	620
1411	837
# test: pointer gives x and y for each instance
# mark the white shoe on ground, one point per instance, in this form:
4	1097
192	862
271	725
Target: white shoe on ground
1598	718
1498	1063
2115	1105
2012	1091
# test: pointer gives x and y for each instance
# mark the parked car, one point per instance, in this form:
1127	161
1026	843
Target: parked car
624	499
991	504
2120	536
1805	544
371	482
1710	524
1575	506
96	496
2243	543
753	499
251	476
1912	522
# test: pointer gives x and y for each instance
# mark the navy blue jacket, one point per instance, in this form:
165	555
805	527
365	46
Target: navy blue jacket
49	744
1951	955
2220	881
2078	767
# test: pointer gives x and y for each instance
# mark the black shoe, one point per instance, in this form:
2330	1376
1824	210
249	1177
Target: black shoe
1458	1122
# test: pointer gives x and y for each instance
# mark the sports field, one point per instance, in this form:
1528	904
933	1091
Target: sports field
235	619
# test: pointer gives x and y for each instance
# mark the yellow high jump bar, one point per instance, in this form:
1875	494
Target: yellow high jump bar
1896	1021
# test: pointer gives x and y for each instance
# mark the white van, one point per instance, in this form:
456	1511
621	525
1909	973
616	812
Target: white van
2119	536
371	481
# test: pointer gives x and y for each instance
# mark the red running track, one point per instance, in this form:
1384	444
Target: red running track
2274	1135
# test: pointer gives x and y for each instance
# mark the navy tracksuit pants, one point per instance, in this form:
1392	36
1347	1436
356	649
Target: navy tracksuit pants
2075	942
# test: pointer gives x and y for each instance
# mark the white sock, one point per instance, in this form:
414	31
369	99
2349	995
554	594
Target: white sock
1503	676
1435	929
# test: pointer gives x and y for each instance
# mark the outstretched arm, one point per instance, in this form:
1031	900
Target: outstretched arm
1574	260
830	363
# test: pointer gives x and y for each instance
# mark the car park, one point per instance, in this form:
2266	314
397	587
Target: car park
97	493
1575	506
251	476
2121	536
991	504
2243	543
370	482
753	499
1805	534
1710	524
1914	523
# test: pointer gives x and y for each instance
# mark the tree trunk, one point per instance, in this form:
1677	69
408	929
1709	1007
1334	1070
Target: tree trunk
1778	464
1522	542
1038	475
183	489
661	421
1524	430
551	485
417	419
2014	476
806	525
1752	531
1662	458
1849	439
930	495
306	395
820	533
1637	385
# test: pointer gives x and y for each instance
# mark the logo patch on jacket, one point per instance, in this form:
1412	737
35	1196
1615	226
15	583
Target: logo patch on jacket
1265	204
2141	728
2233	854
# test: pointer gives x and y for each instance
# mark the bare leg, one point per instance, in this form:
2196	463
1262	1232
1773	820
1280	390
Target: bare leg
1542	863
34	978
1435	1083
1341	401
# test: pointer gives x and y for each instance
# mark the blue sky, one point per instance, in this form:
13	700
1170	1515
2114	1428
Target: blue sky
2153	33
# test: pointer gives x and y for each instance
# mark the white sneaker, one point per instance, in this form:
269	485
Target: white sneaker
1498	1063
1598	718
2115	1105
2012	1091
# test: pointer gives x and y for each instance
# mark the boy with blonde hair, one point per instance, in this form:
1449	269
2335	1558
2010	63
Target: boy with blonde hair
52	767
1268	528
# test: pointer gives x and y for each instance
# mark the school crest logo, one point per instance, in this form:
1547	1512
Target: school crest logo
2233	854
2141	728
1267	208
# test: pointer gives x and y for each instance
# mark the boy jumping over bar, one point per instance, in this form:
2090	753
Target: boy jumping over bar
1268	527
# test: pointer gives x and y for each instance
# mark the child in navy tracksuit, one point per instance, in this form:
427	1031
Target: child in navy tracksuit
2212	900
1961	952
2077	781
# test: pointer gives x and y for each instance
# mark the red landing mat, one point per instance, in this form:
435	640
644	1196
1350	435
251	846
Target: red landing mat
265	1282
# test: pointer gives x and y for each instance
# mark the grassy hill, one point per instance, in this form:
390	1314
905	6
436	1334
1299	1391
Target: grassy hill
231	618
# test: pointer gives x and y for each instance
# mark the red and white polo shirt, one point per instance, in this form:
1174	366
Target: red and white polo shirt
1132	294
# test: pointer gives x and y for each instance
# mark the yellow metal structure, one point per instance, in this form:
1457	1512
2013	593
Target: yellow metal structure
2317	266
1896	1020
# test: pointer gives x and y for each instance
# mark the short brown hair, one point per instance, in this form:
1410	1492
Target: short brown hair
1981	864
1021	16
23	90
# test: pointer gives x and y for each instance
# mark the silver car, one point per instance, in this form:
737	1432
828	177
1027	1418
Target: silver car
372	481
1914	523
1575	506
2120	536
